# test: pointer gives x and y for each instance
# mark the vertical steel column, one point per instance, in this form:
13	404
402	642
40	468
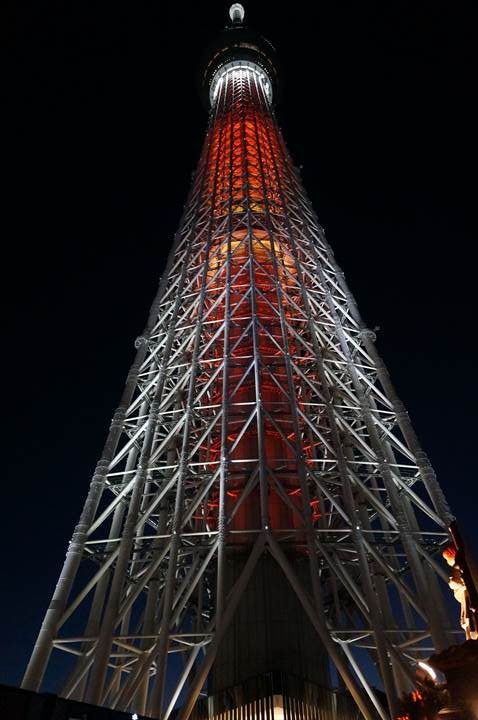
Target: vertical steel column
380	636
43	646
263	483
407	538
156	701
224	459
405	533
78	678
229	610
337	442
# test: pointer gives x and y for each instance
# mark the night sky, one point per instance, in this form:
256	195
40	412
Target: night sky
378	107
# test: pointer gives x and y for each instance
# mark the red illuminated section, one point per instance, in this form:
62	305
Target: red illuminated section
248	265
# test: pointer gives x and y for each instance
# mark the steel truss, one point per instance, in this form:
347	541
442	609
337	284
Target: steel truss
257	417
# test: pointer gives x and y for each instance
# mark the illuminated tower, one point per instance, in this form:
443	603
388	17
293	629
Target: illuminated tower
262	506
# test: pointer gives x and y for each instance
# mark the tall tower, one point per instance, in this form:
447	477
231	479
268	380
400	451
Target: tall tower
262	504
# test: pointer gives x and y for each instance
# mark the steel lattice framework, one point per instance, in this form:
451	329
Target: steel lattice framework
257	417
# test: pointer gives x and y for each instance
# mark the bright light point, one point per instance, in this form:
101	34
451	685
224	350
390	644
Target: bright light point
278	707
427	669
236	13
134	716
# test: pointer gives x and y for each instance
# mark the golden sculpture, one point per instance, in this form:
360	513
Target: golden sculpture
468	620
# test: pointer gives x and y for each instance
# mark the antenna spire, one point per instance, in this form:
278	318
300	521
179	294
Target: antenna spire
236	13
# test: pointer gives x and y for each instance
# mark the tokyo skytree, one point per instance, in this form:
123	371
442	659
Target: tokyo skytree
262	535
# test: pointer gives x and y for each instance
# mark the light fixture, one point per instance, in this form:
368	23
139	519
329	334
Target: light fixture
428	669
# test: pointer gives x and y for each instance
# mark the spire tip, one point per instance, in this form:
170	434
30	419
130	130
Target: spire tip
236	13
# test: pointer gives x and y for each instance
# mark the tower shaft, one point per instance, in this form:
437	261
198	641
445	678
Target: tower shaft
258	436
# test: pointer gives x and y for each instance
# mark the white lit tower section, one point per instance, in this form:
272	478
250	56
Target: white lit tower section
262	519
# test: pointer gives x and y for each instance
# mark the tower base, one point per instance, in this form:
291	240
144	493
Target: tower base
277	696
269	631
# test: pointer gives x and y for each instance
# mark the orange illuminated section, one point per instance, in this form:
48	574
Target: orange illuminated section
249	264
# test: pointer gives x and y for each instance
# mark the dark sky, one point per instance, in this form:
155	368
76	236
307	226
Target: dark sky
378	106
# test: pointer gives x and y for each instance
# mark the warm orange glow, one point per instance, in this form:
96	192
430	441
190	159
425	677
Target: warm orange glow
449	554
243	185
